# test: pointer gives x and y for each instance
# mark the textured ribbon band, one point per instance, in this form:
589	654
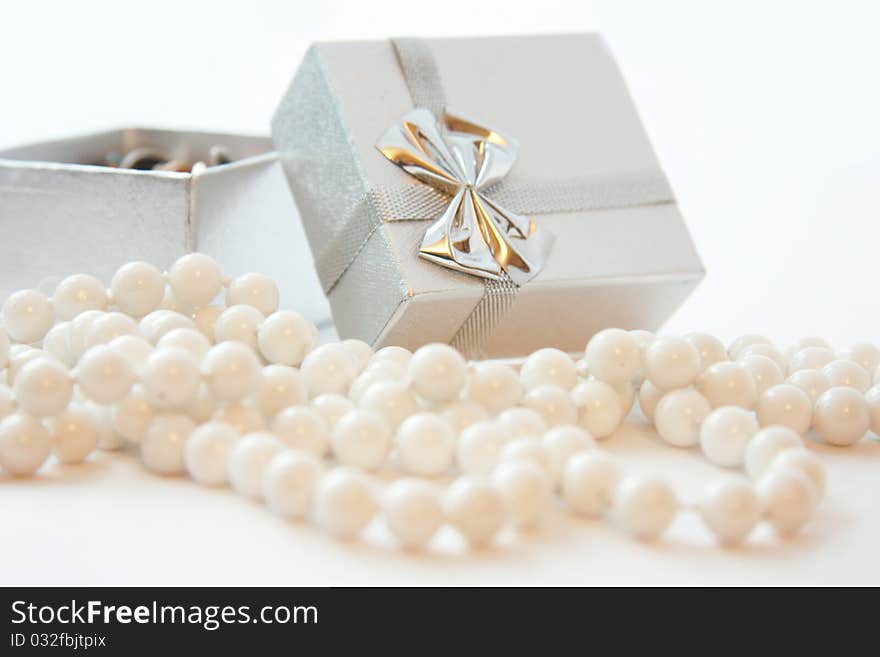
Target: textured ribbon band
421	74
426	90
416	202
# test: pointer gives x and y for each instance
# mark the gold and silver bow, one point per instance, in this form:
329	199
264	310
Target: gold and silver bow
464	160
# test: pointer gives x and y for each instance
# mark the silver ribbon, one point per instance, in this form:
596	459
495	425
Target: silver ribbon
474	234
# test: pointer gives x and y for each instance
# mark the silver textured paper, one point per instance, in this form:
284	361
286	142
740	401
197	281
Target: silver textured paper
619	262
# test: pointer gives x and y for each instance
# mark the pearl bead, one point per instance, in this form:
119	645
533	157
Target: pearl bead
766	445
195	279
133	415
806	462
745	341
626	393
248	460
494	386
548	367
78	293
391	399
27	316
170	377
398	355
206	453
202	408
243	418
644	507
364	381
289	483
43	387
710	349
841	416
257	290
425	444
475	509
525	489
562	443
345	503
787	405
386	369
528	449
154	326
137	288
808	341
553	404
768	351
77	331
56	343
360	353
4	348
866	355
599	408
847	373
728	384
671	363
75	434
205	318
7	402
302	428
171	302
280	386
644	339
725	433
361	439
188	339
134	349
810	358
731	509
20	358
437	372
239	323
24	444
872	399
589	481
613	356
649	396
679	415
479	447
328	369
463	413
521	423
103	375
108	437
413	510
812	382
764	371
787	498
332	408
231	370
109	326
163	443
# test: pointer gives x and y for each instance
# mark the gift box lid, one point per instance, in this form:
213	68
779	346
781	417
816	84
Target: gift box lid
622	253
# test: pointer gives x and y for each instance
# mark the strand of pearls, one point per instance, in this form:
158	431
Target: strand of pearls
245	396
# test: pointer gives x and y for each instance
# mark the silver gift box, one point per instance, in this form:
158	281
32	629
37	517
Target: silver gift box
565	101
62	215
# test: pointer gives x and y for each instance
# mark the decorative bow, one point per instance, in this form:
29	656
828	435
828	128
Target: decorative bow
463	160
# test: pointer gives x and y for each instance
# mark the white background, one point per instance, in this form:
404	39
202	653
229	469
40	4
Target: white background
765	117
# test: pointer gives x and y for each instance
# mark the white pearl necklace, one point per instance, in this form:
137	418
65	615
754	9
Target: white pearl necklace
244	396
